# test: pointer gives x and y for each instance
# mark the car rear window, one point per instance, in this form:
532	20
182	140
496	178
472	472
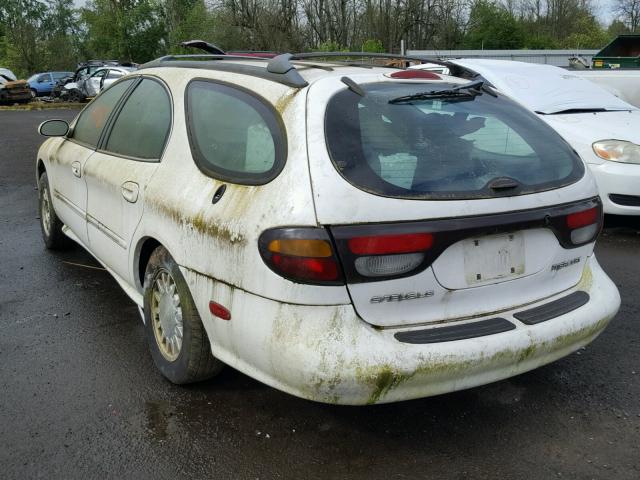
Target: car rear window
439	147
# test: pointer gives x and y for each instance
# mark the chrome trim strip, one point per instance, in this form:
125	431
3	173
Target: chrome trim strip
104	229
76	209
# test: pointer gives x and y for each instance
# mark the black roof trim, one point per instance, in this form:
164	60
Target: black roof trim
209	62
279	69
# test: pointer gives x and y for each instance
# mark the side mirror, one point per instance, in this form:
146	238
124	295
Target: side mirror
53	128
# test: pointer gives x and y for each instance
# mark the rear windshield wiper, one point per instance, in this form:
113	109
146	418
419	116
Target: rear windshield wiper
577	110
470	89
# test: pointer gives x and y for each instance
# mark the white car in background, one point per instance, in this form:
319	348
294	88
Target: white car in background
602	128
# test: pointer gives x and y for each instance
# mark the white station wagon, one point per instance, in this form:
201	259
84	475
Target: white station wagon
340	232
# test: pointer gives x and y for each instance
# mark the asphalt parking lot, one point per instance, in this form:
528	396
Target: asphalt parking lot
80	397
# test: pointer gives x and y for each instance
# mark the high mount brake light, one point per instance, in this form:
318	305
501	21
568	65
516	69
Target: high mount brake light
415	73
303	255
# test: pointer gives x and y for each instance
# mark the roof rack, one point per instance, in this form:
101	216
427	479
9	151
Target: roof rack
279	68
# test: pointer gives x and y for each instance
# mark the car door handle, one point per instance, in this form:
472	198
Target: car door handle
130	191
76	168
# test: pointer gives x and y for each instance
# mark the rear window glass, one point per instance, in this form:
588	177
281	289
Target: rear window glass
233	134
439	147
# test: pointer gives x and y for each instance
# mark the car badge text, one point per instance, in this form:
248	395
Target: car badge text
399	297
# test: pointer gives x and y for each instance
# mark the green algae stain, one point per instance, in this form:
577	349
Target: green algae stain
586	281
200	224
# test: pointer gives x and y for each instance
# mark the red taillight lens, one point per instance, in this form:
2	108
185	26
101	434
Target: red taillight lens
303	255
582	219
390	244
303	268
584	226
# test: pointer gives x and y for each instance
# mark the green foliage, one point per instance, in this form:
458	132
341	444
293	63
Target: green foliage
373	46
41	35
616	28
588	34
125	30
540	42
491	26
330	47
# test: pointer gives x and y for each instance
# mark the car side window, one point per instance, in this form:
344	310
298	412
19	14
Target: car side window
143	124
234	135
88	128
113	74
44	78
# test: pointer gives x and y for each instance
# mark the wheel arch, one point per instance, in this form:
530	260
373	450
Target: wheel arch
143	251
40	168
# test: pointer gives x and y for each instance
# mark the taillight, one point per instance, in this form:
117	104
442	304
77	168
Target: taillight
584	225
389	255
304	255
385	244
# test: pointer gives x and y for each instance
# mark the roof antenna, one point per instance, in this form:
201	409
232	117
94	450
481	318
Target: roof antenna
353	86
202	45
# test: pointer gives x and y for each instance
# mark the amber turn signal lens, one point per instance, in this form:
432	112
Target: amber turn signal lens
301	247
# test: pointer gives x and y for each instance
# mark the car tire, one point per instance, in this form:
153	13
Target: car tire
176	337
50	224
34	93
75	96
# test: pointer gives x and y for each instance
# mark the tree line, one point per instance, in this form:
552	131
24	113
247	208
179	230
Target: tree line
41	35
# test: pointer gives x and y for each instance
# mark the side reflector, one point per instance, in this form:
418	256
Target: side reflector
389	244
582	219
415	73
219	311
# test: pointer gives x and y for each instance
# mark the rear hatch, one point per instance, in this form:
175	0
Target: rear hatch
445	203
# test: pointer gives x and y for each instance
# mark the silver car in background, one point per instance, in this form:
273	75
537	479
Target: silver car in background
100	79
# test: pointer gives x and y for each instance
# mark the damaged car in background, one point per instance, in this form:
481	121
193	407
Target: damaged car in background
13	90
90	78
348	234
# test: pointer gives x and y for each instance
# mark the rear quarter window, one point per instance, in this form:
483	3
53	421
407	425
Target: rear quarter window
234	135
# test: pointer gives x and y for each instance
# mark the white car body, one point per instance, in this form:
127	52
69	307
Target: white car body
8	73
431	67
549	91
326	343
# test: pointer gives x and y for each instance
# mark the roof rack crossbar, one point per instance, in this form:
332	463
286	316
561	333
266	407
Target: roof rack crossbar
291	79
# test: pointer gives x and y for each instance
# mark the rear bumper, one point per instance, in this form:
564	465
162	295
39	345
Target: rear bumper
327	354
618	179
